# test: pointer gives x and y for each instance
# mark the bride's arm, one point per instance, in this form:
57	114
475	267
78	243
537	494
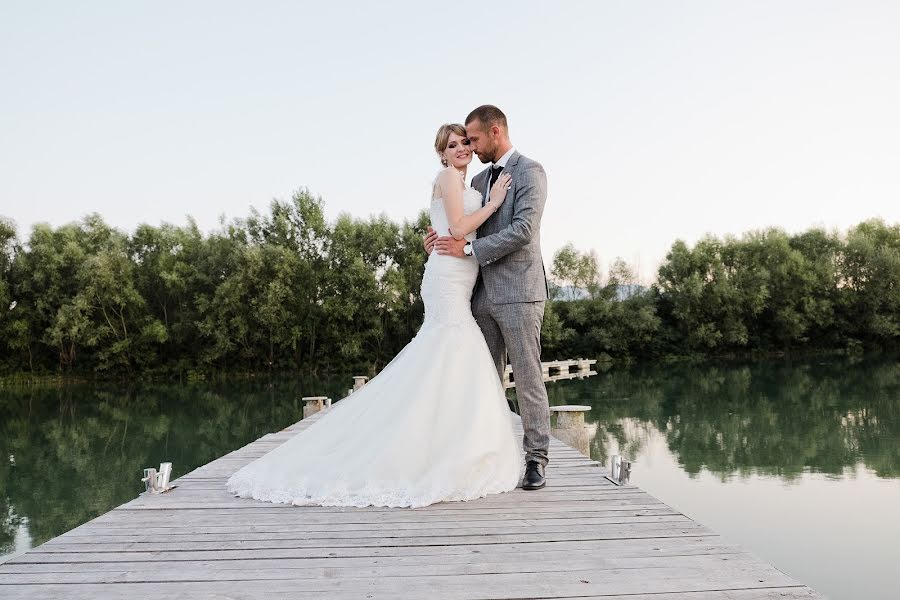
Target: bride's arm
462	224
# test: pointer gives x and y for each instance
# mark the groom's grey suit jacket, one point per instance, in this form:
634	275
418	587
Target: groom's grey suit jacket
508	245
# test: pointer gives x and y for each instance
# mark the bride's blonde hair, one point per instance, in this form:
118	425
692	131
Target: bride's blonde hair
443	138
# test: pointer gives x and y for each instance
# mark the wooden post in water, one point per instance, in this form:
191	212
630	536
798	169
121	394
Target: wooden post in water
619	470
583	367
570	427
313	404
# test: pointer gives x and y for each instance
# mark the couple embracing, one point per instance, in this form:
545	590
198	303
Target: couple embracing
434	425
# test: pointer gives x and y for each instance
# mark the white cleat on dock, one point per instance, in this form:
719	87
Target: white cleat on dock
157	482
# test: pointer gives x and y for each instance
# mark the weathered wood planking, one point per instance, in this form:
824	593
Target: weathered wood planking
581	537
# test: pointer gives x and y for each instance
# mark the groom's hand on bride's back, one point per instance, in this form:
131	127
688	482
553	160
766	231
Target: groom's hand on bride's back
429	240
450	246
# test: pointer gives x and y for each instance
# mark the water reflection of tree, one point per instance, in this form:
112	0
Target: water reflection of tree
768	418
9	523
72	453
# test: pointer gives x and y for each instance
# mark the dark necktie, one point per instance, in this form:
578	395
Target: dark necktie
495	173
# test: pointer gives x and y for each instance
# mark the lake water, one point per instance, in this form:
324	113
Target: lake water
799	463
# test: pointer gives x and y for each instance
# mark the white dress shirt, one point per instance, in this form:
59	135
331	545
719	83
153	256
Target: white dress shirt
503	159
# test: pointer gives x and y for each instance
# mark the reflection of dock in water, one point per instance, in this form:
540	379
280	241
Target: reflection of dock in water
580	537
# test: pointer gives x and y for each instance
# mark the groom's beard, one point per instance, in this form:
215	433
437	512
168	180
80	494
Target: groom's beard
491	155
488	157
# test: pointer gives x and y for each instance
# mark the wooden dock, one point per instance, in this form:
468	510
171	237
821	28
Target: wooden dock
557	370
580	537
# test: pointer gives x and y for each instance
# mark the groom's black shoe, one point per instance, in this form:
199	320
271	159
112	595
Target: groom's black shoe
534	476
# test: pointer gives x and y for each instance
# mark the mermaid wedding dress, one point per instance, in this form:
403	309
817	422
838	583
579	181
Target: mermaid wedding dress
433	426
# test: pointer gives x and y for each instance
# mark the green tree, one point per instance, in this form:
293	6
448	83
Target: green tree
702	298
266	309
870	269
577	270
8	250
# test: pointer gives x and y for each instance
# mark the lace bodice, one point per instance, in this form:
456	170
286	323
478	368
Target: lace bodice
471	203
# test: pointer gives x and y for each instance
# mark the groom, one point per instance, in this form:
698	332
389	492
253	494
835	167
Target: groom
508	300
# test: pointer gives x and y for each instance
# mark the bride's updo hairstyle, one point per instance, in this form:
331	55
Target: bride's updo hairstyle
443	138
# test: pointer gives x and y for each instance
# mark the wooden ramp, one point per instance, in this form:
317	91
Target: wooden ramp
581	537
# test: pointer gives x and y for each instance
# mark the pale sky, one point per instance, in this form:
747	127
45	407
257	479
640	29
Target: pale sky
654	120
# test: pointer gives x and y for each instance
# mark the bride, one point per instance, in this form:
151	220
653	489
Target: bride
434	425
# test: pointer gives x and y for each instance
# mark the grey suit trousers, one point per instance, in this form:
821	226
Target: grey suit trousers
515	330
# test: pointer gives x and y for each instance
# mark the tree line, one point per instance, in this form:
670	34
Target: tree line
764	292
281	290
287	290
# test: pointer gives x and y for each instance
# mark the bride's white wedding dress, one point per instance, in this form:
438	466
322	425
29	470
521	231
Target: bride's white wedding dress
433	426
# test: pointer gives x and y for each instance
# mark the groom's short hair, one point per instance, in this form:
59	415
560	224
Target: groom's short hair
489	115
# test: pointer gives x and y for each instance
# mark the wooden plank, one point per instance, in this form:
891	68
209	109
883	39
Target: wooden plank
174	514
377	530
350	523
625	547
544	556
779	593
102	591
577	583
255	508
373	568
215	522
440	538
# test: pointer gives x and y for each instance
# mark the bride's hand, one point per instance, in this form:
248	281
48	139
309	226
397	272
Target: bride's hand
498	191
428	240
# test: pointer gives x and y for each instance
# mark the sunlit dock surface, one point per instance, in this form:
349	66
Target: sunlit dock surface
580	537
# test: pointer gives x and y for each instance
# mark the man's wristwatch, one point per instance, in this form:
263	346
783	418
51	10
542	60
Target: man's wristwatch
467	249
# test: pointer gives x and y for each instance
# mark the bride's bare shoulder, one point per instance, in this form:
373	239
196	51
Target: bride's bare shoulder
449	178
447	174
